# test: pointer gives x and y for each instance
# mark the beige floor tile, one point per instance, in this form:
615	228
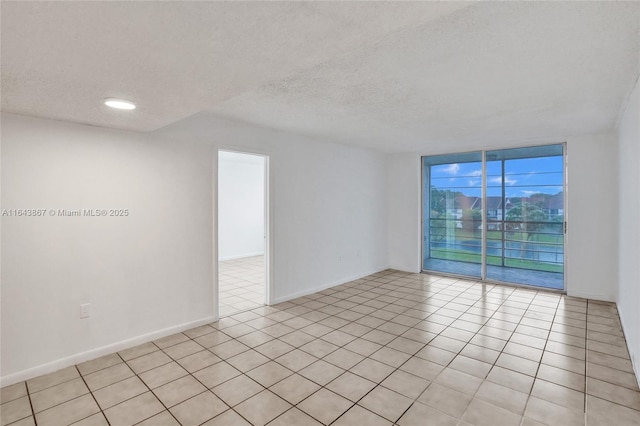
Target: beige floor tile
98	363
198	409
215	374
237	390
134	410
164	418
422	415
198	361
27	421
605	413
179	390
138	351
229	349
343	358
163	374
372	370
566	363
481	413
561	377
58	394
325	406
199	331
606	348
376	329
363	347
120	391
389	356
15	391
518	364
68	412
97	419
55	378
422	368
503	397
552	414
294	388
171	340
270	373
296	360
446	400
212	339
559	395
611	361
459	381
321	372
228	418
614	393
247	360
318	348
612	375
255	338
262	408
183	349
351	386
436	355
386	403
274	349
470	366
358	416
144	362
480	354
294	417
108	376
405	384
15	410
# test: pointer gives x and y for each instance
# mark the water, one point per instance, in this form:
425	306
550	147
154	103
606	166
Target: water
513	249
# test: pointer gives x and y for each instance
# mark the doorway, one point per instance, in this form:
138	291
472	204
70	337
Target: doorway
496	215
242	232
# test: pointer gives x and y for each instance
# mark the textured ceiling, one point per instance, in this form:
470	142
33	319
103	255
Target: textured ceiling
390	76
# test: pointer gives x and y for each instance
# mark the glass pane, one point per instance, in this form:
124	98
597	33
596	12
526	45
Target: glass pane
452	231
525	216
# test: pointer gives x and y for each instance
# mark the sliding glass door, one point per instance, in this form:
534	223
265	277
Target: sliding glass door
508	226
452	231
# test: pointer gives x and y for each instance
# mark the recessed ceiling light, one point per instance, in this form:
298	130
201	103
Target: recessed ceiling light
119	103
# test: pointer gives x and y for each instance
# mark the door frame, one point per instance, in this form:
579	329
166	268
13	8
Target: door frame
268	226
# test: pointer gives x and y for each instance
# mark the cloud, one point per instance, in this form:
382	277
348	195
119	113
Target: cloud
528	193
452	169
474	182
476	173
507	180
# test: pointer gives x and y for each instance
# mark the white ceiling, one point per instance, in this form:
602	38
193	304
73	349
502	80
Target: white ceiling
386	75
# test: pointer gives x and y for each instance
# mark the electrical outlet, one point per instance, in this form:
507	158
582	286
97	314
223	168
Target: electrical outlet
85	310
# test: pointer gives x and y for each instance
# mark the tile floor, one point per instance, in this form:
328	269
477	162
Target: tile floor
241	284
391	348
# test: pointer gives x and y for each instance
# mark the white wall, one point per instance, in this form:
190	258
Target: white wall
592	179
629	226
151	273
240	205
328	202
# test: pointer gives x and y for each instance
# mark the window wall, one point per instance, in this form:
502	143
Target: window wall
497	215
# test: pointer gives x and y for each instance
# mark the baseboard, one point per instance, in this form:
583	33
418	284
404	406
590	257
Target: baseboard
323	287
405	269
242	256
56	365
593	296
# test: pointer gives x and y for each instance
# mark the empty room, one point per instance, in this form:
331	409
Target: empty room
320	213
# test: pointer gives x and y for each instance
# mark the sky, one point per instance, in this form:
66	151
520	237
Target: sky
522	177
